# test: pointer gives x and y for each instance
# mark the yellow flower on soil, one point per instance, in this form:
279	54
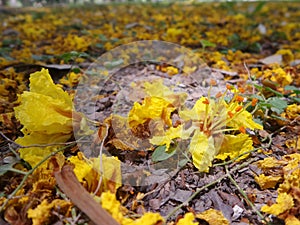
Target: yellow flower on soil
235	145
46	114
283	203
213	217
89	170
155	108
42	213
188	219
118	212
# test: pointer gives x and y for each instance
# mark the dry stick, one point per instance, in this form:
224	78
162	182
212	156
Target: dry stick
29	173
101	161
198	190
68	183
244	195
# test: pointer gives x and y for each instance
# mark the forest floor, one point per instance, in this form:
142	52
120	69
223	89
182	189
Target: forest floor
164	113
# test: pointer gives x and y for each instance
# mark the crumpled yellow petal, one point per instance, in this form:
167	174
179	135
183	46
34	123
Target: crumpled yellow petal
269	163
151	108
46	108
203	151
111	177
235	145
283	203
267	181
188	219
42	212
292	111
213	217
46	113
114	207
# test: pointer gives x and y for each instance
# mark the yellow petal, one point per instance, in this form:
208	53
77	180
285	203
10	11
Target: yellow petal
82	168
158	89
111	166
197	112
42	212
269	163
283	203
267	181
203	151
234	145
41	83
33	155
188	219
151	108
112	177
38	112
241	119
112	205
213	217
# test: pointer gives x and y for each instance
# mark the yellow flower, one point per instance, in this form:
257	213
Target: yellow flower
281	77
213	217
118	212
188	219
89	169
46	114
267	181
287	55
42	213
152	108
283	203
158	89
235	145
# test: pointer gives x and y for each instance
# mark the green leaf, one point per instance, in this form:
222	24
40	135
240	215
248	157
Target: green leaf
206	43
160	154
296	90
277	105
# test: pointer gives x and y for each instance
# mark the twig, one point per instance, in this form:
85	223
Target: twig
249	75
244	194
101	161
198	190
42	145
68	183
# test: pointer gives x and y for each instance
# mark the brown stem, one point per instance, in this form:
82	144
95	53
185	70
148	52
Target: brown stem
68	183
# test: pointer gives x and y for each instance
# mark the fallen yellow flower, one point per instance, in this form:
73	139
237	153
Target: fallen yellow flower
283	203
118	212
46	115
